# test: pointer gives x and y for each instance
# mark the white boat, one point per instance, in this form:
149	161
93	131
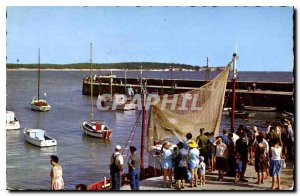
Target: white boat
260	108
12	122
37	103
95	128
40	105
115	102
39	137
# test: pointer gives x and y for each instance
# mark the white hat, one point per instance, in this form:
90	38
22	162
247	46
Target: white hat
118	147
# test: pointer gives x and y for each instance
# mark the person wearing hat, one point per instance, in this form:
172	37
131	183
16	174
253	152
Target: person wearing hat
134	163
167	164
116	168
193	155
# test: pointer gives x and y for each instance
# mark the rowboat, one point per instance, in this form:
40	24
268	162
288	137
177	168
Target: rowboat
38	137
12	122
260	108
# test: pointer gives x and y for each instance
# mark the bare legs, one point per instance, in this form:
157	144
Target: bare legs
237	177
167	172
194	177
278	182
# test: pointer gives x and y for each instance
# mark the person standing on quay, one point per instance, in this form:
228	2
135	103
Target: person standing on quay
203	141
134	163
221	150
167	164
116	168
56	174
193	155
275	163
242	148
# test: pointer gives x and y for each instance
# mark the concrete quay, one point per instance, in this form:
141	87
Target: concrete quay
212	183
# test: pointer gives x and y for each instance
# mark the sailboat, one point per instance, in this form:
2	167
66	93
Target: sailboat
37	103
95	128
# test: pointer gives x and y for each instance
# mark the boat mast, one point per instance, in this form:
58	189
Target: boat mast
39	73
234	58
207	71
143	130
91	80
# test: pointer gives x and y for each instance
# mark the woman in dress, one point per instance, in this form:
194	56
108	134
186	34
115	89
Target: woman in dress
167	165
56	174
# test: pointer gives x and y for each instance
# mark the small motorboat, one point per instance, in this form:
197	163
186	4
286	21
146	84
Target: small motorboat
96	128
260	108
12	122
39	137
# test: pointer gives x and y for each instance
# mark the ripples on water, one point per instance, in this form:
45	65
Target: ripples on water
83	158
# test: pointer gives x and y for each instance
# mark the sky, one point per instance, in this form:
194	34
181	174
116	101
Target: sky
263	36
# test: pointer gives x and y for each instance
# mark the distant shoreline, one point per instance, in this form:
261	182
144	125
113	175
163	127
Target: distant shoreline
68	69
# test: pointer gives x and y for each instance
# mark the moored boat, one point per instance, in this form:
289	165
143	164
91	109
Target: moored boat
12	122
260	108
96	128
115	102
39	137
40	105
243	114
36	103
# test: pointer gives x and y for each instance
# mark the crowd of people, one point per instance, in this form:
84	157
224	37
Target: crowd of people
229	153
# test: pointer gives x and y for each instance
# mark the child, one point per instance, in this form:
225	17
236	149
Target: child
202	170
238	167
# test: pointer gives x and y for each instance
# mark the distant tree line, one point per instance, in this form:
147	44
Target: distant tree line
127	65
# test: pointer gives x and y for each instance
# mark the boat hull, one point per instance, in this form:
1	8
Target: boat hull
88	130
12	122
13	126
117	102
243	114
39	142
42	108
260	108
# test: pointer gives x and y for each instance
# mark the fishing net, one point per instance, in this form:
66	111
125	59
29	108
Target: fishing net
179	114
